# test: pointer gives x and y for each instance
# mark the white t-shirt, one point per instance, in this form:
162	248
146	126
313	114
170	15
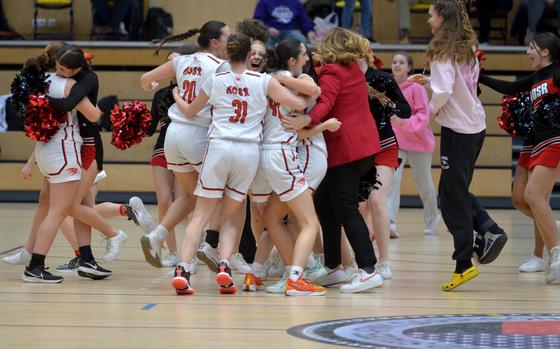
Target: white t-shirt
191	73
239	103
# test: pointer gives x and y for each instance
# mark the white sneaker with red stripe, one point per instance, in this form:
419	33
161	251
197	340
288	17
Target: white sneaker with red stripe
362	281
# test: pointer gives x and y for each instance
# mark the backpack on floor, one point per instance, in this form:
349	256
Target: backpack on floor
159	24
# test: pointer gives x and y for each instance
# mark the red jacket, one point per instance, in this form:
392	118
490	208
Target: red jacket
344	95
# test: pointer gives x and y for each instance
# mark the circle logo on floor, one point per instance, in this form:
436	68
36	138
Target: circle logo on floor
438	331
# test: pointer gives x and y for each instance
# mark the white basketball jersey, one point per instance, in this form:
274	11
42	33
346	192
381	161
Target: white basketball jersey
239	103
273	131
318	140
191	72
70	129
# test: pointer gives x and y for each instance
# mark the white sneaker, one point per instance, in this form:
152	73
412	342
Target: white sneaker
316	272
238	263
393	231
431	227
171	260
554	268
140	215
334	277
209	255
384	269
362	281
533	265
21	256
151	246
280	286
194	266
275	264
114	246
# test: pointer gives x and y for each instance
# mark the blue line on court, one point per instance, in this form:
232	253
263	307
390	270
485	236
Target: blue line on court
149	306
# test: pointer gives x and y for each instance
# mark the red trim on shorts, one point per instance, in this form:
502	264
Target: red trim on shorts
88	155
76	149
547	155
306	158
524	158
235	190
158	161
65	160
388	157
290	172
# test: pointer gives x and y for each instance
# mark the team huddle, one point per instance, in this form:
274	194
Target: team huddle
292	142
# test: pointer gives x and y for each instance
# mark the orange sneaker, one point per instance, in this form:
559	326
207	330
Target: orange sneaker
252	283
181	281
303	287
224	279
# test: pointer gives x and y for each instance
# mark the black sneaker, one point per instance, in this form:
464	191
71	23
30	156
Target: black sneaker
487	247
181	281
39	274
224	279
70	267
92	270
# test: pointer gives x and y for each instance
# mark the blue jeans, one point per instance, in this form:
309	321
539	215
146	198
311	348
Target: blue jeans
365	17
287	34
536	9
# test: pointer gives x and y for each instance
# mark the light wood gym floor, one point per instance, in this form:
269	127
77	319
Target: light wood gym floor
137	307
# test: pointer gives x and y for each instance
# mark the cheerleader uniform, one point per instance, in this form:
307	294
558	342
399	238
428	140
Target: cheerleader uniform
59	159
163	99
239	104
388	156
186	138
279	170
544	92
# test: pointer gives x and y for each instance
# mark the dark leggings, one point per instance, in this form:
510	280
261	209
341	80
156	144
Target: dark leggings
336	201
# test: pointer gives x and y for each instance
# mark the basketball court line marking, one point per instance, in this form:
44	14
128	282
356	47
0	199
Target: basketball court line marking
11	250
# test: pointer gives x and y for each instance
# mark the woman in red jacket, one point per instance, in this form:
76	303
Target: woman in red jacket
344	95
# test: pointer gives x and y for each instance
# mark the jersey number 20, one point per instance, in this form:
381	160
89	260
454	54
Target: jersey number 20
190	91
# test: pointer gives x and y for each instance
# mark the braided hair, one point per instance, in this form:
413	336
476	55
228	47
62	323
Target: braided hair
209	31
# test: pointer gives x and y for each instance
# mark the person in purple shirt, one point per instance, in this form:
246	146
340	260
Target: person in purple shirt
285	19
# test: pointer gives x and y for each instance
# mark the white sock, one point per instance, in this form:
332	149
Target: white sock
296	272
185	265
161	232
224	261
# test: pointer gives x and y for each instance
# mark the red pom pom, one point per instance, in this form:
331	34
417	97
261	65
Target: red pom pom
130	124
41	119
505	120
480	55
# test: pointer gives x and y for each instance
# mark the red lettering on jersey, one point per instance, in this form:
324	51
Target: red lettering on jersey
197	71
274	107
240	91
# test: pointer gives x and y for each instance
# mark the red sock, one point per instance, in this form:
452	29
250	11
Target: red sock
122	210
77	253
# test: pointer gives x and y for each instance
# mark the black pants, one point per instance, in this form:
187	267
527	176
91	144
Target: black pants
460	209
485	10
336	201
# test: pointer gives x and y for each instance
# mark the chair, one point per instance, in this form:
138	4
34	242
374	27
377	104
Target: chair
53	5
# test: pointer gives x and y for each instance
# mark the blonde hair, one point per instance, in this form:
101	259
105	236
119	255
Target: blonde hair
456	38
344	46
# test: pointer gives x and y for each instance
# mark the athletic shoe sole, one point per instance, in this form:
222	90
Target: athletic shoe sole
67	271
138	206
34	280
228	290
208	261
495	249
86	274
181	286
224	279
304	293
147	249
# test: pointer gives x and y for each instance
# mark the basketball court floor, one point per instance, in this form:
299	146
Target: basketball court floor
137	307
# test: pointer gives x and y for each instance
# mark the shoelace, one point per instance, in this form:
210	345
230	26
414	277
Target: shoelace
555	255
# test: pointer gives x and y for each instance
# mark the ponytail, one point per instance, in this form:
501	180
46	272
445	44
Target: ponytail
46	59
209	31
238	47
285	50
177	37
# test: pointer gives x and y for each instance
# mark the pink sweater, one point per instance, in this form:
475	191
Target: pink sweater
415	134
454	100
